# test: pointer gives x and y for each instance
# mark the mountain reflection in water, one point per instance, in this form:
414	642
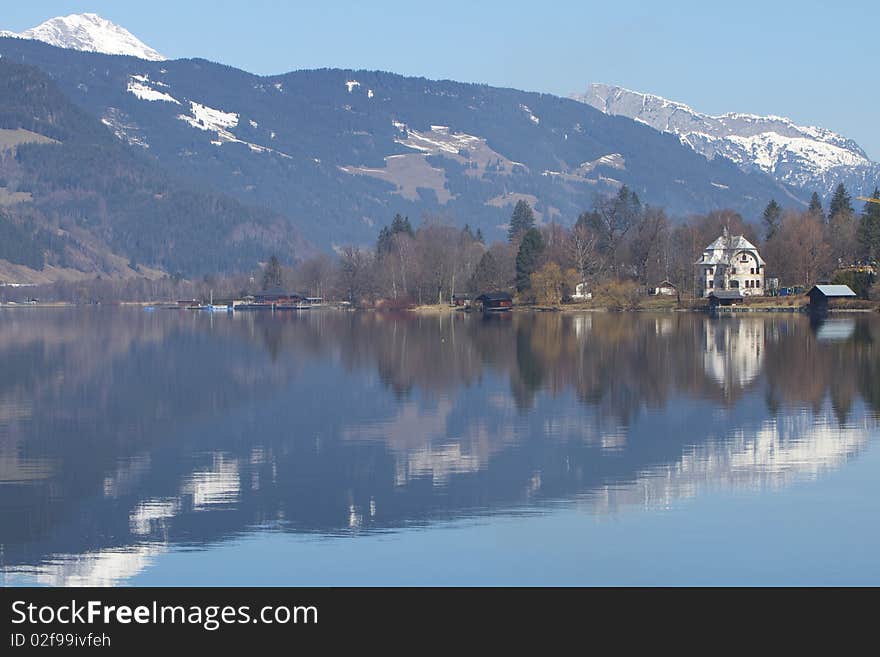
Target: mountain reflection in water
124	434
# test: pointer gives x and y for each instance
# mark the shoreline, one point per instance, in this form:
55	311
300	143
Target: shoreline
445	309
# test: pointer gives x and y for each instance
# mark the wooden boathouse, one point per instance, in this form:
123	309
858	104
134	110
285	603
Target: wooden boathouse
823	296
493	302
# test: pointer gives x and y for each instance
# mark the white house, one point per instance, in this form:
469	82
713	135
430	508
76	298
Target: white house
730	263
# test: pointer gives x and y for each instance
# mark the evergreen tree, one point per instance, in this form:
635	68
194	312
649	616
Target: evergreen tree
840	202
869	229
771	218
522	220
815	207
401	225
528	257
628	203
272	274
479	236
385	241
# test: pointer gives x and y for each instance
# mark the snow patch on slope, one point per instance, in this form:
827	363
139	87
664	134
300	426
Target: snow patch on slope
208	118
586	171
412	172
139	85
123	128
534	119
214	120
770	150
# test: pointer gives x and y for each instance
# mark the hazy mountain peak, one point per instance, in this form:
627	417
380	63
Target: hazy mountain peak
90	33
795	154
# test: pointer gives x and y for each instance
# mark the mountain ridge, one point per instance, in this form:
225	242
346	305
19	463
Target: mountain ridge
808	157
340	152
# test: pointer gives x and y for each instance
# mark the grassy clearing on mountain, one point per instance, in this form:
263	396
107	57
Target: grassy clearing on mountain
9	139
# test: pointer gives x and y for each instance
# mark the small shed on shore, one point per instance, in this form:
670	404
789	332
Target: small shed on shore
822	295
462	300
664	288
724	298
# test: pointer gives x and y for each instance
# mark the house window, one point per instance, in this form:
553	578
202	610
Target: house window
711	283
734	285
752	270
757	283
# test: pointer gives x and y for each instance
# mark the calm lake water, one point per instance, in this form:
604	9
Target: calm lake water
334	448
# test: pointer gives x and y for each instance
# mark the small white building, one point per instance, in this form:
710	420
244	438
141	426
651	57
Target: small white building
665	289
730	263
581	293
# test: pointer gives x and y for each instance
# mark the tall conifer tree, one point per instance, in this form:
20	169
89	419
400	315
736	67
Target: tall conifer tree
527	258
869	229
840	202
815	207
521	220
771	218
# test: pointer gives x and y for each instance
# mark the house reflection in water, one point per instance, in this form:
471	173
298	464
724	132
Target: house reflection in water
734	352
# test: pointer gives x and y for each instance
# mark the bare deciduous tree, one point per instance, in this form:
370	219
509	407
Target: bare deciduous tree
583	250
647	246
355	273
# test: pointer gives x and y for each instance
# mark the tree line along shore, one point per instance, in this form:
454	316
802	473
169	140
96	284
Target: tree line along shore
612	257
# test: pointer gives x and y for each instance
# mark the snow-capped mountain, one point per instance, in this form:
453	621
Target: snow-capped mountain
89	33
807	157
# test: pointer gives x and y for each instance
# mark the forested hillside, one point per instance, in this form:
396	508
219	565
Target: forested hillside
340	152
75	198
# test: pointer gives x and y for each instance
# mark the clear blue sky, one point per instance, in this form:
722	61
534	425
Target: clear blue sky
816	62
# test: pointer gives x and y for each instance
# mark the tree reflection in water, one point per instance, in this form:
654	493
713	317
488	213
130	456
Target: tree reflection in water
123	433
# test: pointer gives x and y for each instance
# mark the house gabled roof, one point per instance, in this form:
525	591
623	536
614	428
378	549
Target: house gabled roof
732	242
725	248
833	291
